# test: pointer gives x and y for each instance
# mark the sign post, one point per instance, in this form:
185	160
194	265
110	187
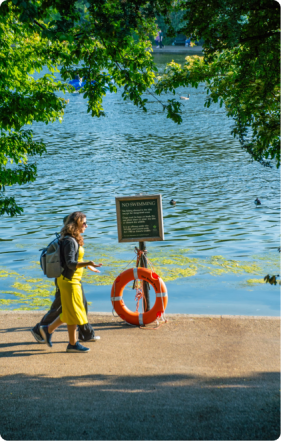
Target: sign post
146	287
140	219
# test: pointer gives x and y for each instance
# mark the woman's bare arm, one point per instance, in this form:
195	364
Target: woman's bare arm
88	263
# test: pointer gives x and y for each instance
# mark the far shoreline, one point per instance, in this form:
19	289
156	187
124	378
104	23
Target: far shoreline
195	50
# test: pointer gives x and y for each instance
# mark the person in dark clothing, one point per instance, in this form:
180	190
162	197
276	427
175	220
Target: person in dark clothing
85	332
161	36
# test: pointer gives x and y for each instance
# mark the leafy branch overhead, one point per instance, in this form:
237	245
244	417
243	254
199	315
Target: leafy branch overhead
90	37
240	67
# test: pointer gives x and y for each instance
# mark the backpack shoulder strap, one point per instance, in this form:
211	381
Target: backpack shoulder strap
51	243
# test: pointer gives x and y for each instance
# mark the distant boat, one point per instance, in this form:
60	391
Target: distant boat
78	82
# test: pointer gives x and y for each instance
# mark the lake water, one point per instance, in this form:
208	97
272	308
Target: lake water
218	245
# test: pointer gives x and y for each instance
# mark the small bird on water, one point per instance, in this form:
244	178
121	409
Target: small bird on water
257	201
172	202
271	279
184	97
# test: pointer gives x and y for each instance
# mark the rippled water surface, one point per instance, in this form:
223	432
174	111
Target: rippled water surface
218	246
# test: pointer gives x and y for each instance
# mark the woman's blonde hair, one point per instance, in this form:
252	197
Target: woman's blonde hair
72	226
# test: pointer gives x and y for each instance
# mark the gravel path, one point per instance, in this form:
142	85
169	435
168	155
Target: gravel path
195	378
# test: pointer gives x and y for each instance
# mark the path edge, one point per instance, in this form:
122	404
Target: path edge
217	316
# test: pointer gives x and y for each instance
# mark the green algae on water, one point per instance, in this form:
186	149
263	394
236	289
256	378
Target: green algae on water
6	273
224	266
171	264
27	293
30	292
255	281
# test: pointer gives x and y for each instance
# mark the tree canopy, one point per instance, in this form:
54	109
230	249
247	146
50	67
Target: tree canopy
51	33
240	67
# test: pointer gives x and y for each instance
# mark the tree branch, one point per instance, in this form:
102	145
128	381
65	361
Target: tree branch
259	37
40	26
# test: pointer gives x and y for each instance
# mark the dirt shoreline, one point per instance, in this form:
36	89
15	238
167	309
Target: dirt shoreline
196	377
195	50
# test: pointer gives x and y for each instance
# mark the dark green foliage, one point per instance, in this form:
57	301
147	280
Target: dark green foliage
23	100
240	67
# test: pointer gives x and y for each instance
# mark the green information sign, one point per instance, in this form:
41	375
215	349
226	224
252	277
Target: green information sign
139	218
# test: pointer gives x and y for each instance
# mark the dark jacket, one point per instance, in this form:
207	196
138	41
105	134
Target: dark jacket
69	258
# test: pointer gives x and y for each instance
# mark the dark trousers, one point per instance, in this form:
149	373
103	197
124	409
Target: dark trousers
86	331
161	44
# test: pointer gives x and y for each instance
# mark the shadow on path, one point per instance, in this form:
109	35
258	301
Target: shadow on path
153	407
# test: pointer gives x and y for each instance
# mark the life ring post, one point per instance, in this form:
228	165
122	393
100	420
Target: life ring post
146	275
143	264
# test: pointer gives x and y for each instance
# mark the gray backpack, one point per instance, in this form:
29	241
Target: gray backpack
50	259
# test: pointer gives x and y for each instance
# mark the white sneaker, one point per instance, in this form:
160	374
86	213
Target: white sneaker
95	338
157	47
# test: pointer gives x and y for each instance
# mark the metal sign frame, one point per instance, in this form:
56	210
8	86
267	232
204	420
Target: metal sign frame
137	199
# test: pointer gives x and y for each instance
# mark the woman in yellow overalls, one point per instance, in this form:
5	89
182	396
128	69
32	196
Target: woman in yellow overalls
69	283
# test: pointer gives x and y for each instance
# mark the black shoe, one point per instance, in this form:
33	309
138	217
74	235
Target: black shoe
38	337
76	348
46	335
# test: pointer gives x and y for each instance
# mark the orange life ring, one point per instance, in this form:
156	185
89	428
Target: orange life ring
137	318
